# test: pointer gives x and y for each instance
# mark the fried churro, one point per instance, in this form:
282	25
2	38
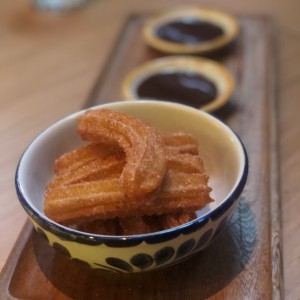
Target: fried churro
99	168
105	199
136	225
131	179
105	227
177	219
180	142
145	154
83	155
184	162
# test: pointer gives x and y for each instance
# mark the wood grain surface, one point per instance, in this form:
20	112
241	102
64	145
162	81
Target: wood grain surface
251	113
49	62
245	262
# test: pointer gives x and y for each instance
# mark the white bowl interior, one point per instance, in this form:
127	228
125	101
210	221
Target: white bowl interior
219	147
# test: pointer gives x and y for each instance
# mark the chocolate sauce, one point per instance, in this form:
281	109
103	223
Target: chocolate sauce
189	31
187	88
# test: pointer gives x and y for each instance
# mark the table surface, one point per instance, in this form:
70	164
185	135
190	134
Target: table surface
49	62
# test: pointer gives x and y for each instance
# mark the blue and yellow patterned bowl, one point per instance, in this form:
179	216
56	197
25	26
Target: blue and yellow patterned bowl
225	160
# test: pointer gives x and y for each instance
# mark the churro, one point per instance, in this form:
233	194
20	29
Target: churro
96	167
184	162
105	227
131	179
99	168
105	199
145	154
180	142
136	225
177	219
82	155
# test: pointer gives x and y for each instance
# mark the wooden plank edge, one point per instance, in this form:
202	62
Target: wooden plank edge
276	228
13	259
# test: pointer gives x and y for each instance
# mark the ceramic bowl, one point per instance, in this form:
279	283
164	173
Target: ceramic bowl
209	69
228	24
225	161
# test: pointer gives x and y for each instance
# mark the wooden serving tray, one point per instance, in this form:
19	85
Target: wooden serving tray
245	261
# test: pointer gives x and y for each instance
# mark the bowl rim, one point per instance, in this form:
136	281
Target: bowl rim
199	65
216	16
129	240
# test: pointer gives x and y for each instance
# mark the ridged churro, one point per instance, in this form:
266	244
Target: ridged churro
99	168
177	219
105	199
83	155
148	224
184	162
180	142
136	225
145	154
131	179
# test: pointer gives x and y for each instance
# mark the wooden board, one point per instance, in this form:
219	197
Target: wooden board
245	261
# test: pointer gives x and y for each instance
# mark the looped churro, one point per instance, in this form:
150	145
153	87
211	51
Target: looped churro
145	155
132	179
